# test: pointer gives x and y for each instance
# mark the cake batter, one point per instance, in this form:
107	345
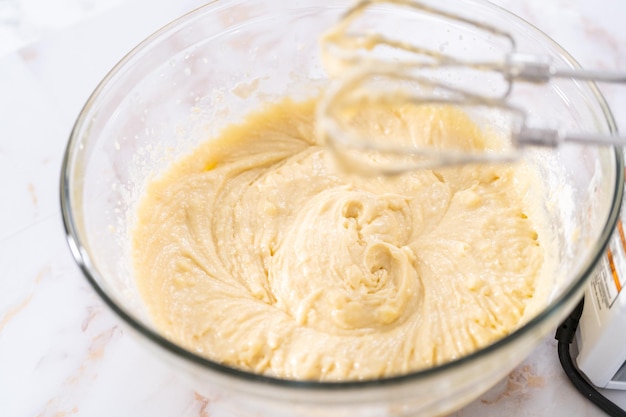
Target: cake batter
255	252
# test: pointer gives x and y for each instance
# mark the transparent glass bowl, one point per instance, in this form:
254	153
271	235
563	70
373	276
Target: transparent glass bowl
214	65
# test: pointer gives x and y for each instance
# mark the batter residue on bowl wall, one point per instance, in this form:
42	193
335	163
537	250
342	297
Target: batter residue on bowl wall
255	252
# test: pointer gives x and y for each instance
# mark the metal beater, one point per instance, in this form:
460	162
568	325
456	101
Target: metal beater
363	79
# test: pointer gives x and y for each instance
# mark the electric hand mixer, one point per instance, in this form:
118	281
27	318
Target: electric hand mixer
409	73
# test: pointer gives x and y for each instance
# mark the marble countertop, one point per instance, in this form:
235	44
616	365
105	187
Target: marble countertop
62	352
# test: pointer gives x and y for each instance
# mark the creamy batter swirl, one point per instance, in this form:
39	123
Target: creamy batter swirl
254	251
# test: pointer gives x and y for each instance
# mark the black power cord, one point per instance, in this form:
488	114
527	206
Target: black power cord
565	336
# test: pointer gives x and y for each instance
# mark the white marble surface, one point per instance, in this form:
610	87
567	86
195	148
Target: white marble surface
62	352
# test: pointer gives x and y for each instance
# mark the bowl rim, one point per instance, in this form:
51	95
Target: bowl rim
83	259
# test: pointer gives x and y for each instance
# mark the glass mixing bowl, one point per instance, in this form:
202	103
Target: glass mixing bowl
214	65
